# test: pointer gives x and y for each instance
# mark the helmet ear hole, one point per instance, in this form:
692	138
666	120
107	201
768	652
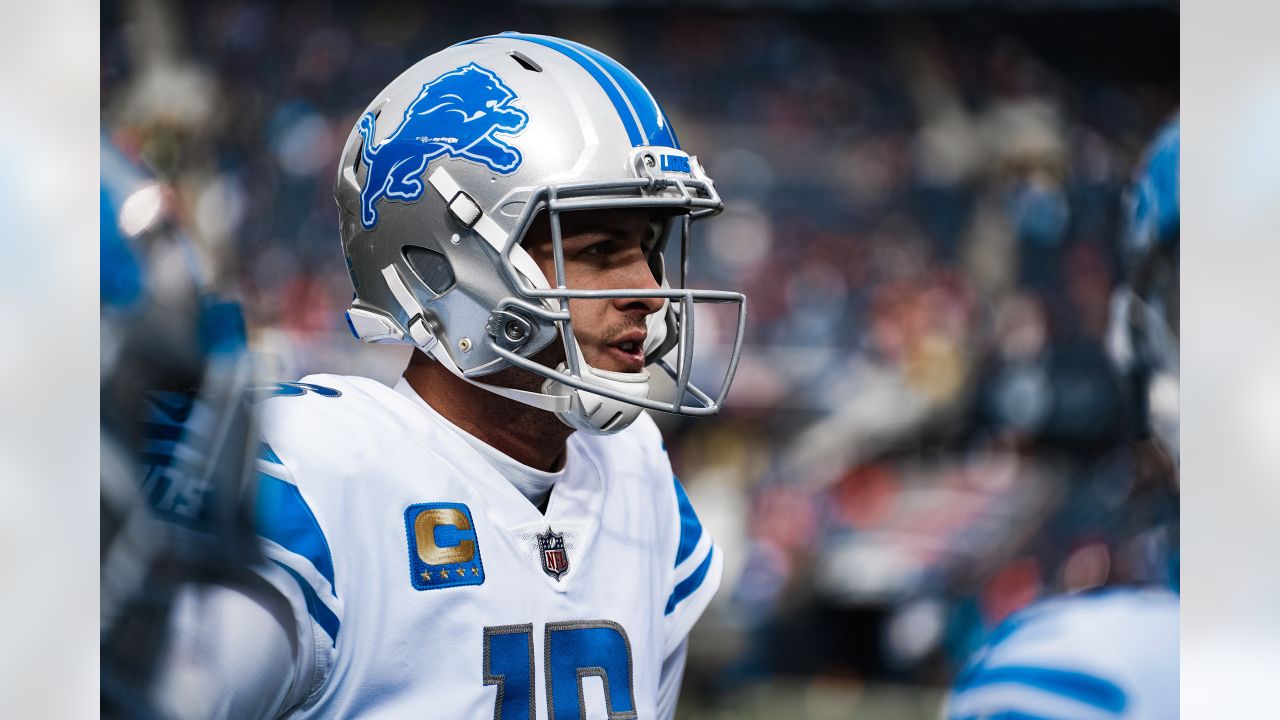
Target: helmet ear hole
431	267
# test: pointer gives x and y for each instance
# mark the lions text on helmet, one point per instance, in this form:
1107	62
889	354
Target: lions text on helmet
506	203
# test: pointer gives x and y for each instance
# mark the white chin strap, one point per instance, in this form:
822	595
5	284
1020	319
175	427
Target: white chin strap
550	403
597	414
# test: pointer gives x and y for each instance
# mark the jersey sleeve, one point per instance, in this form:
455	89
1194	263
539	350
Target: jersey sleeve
299	565
670	680
698	566
232	652
294	596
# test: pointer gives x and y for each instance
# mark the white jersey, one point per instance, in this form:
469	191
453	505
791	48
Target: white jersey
433	588
1110	655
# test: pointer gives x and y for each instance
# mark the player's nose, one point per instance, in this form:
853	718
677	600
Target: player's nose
640	277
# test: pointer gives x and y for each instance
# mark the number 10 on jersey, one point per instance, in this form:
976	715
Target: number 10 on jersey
571	651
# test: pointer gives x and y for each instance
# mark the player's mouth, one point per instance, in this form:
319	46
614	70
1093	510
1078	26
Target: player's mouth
626	353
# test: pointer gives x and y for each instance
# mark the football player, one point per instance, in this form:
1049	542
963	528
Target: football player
1110	654
500	534
177	440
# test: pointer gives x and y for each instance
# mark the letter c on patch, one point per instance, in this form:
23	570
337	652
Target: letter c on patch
424	527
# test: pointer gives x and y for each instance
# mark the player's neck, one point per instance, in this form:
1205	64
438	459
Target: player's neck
526	434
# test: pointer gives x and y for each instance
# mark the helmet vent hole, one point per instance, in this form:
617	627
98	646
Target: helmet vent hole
524	61
431	267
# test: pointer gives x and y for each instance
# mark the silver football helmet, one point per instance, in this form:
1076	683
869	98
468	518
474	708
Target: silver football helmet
439	183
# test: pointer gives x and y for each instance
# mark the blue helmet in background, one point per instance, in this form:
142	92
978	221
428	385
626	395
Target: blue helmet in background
1151	202
1143	337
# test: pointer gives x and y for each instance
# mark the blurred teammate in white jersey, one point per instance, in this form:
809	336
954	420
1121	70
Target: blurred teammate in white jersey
1110	654
1105	655
500	534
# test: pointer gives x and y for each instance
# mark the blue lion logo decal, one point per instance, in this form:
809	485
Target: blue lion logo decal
457	114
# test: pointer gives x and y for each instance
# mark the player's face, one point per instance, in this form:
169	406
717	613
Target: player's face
604	250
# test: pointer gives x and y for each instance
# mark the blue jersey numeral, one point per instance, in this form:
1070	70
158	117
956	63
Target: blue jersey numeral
508	663
577	649
573	650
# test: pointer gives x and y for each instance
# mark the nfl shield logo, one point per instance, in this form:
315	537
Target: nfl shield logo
555	562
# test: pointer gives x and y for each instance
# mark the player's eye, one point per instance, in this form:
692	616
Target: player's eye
600	249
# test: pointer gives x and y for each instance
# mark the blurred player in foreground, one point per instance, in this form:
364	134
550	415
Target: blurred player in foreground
175	431
500	534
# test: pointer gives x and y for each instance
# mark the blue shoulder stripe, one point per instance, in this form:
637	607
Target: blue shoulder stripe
319	612
1082	687
283	517
686	587
690	527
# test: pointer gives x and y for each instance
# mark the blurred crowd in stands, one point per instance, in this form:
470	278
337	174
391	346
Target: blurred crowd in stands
923	209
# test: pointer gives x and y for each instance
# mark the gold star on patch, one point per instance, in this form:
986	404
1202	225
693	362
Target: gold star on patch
475	571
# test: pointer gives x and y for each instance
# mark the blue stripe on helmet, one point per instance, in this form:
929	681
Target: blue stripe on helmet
626	113
686	587
654	126
690	528
640	114
282	516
